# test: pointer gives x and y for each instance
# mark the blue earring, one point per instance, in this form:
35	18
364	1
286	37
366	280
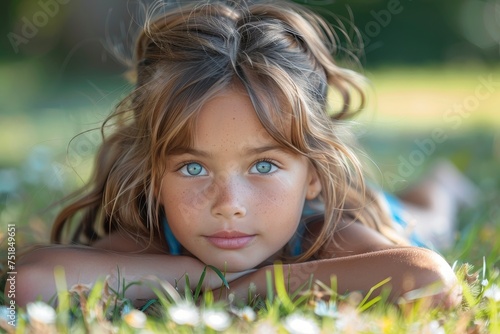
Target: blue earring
173	245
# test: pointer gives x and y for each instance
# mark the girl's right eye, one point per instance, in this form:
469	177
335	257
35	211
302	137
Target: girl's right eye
193	169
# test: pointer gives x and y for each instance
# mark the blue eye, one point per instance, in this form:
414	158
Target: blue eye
193	169
263	167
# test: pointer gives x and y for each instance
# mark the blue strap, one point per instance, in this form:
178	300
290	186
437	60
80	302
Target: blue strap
174	246
397	212
295	243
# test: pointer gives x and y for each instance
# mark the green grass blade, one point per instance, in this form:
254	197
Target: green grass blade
369	304
279	281
269	286
188	294
303	288
63	297
334	285
170	292
361	305
200	284
148	304
220	274
95	293
164	299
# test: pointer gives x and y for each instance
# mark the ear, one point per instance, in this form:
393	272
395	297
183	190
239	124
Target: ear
314	186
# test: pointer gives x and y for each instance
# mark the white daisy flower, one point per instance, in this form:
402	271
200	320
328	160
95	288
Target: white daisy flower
217	319
324	309
184	313
135	318
246	313
349	320
7	316
265	327
435	327
41	313
298	324
493	293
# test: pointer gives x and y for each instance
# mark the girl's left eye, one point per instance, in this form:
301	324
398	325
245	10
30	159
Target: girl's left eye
193	169
263	167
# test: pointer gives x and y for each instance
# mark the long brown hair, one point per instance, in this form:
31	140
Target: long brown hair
281	53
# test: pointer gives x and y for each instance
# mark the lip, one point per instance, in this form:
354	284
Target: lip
230	239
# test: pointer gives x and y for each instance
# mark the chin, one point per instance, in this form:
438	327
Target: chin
235	265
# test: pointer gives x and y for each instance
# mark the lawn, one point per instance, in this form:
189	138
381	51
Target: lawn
421	115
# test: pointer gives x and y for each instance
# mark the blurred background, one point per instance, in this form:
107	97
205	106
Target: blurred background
434	66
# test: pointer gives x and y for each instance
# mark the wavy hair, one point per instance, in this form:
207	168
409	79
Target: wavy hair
281	53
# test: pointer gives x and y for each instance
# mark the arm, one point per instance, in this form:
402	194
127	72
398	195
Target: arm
361	258
113	255
85	265
409	268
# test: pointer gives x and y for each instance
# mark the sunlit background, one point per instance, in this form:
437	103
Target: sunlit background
433	65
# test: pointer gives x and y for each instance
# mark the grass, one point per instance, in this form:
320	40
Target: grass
30	182
84	309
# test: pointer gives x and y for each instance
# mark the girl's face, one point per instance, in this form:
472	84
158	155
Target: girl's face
235	197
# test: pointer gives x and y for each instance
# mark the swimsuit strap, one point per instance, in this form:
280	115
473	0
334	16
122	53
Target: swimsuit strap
174	246
397	213
310	213
295	243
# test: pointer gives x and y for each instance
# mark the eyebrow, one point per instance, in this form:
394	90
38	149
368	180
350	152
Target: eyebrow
244	151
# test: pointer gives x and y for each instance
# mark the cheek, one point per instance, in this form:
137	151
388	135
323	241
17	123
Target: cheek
183	206
280	197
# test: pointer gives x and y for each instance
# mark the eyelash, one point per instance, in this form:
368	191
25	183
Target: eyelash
185	164
271	161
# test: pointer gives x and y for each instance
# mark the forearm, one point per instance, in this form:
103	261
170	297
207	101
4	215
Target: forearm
407	268
85	265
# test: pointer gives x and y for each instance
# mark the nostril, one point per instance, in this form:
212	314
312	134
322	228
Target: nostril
228	208
241	212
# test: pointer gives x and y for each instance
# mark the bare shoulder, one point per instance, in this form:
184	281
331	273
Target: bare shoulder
352	239
123	242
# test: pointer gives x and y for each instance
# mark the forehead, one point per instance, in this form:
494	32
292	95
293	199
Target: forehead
229	119
229	115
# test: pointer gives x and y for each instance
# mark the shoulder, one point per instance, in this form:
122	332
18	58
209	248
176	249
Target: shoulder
126	243
351	239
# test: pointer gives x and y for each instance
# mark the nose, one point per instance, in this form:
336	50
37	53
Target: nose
229	197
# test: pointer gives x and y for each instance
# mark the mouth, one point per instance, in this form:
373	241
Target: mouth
230	239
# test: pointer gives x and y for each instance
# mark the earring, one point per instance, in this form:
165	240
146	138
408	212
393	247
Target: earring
174	245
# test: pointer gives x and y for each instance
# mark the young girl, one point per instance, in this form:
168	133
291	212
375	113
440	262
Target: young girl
229	152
